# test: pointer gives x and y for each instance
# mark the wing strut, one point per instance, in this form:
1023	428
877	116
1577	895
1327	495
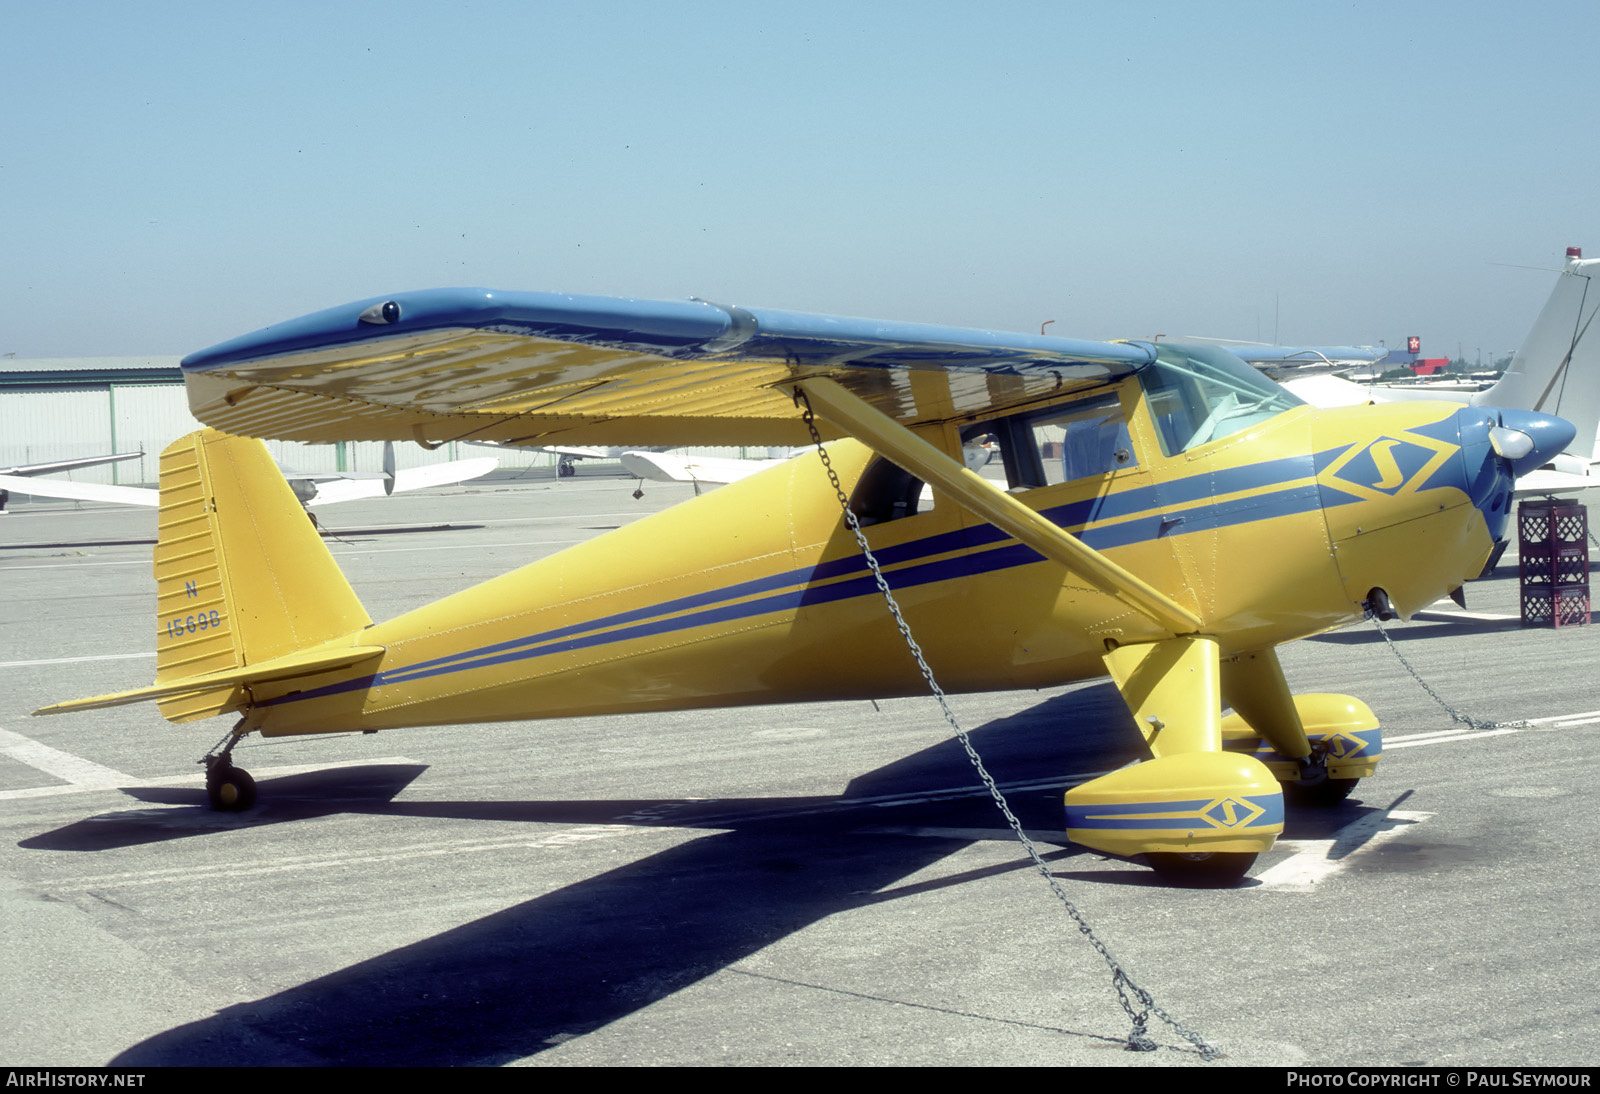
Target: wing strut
898	444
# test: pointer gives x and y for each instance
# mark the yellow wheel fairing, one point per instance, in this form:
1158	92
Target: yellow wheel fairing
1190	802
1344	728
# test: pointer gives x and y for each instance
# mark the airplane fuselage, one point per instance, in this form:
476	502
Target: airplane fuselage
758	592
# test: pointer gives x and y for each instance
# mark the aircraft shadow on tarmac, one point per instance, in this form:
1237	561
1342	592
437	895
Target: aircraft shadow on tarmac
1422	629
563	964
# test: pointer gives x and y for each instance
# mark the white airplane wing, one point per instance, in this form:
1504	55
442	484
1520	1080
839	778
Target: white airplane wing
1323	390
68	465
79	491
411	478
666	467
1277	361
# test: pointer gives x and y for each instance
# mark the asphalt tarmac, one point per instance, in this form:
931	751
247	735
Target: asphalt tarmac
810	884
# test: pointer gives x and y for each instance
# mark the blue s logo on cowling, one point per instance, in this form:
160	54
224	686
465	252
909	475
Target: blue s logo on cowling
1387	465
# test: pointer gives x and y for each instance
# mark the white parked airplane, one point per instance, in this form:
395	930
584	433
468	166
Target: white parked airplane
1281	362
313	488
568	455
1556	371
10	475
669	467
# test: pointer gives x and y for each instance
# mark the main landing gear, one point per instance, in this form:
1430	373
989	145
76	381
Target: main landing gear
230	789
1212	796
1314	788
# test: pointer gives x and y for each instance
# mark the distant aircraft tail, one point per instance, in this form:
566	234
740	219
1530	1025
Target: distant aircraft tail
1557	369
245	588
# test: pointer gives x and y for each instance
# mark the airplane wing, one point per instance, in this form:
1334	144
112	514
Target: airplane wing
68	465
410	478
1550	481
79	491
1323	390
1279	361
548	369
666	467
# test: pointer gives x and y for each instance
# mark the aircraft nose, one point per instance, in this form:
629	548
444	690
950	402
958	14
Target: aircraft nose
1527	439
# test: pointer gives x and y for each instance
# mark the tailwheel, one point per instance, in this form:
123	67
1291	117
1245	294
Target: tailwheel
231	789
1201	869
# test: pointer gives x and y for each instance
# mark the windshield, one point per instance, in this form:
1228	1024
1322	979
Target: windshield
1200	393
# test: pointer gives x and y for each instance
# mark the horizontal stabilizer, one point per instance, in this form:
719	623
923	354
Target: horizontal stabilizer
286	667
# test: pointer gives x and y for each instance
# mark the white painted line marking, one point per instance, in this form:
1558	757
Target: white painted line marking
83	774
1567	719
1446	736
1412	743
58	791
1317	860
1430	616
74	565
1427	734
173	876
74	660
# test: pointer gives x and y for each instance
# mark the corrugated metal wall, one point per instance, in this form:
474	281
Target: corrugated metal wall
40	426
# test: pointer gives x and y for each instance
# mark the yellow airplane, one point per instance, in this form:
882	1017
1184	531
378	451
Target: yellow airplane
1167	516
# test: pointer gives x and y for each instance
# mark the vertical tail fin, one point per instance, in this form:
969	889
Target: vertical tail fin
241	574
1557	368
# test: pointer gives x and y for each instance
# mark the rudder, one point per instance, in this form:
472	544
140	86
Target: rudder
241	574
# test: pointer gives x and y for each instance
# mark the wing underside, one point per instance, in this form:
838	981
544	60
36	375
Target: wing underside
544	369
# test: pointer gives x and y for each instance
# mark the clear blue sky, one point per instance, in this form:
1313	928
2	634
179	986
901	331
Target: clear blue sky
172	175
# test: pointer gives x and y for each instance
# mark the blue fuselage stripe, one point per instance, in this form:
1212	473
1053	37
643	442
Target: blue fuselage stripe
985	549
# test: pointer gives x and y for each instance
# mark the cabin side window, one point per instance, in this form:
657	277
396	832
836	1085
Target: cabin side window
1069	442
1084	439
887	492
